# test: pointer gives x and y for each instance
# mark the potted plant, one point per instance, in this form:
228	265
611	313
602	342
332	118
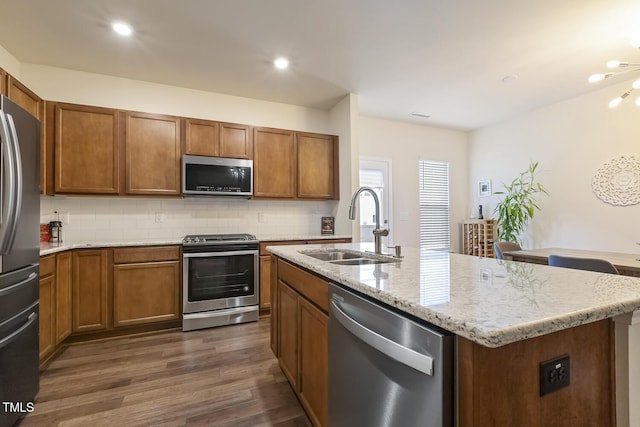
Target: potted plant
519	204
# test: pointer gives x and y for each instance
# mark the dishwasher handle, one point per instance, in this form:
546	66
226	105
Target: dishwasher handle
413	359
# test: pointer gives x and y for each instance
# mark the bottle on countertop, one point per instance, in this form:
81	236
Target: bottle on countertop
480	212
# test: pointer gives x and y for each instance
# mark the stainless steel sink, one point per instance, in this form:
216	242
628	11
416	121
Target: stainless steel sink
342	257
362	261
332	255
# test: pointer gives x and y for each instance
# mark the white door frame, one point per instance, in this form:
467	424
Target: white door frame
384	164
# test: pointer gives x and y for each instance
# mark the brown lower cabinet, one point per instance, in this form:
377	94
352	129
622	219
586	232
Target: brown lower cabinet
54	302
84	292
302	348
91	308
63	296
146	285
47	306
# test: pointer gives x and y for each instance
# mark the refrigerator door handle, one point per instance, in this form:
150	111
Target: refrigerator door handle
8	185
418	361
19	181
12	288
7	340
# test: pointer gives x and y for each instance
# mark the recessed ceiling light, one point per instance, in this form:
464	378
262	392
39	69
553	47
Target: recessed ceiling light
122	28
281	63
420	115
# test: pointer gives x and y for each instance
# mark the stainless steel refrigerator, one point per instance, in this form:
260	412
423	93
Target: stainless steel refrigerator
19	260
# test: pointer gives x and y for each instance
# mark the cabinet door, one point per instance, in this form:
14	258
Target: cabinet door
202	137
3	82
317	166
314	362
288	332
47	313
152	147
274	165
27	99
146	293
274	305
265	282
86	147
63	296
235	141
90	290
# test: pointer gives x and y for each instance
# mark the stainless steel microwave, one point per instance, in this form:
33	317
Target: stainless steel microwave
216	176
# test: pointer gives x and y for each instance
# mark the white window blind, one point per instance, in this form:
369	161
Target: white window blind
434	205
373	178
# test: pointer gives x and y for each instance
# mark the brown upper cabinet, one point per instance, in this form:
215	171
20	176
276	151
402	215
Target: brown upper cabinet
291	164
27	99
209	138
317	166
274	166
3	81
152	152
87	147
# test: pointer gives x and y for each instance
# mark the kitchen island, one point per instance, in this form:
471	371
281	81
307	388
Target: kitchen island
508	317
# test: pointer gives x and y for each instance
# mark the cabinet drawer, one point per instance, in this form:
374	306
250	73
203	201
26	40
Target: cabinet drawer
47	265
311	287
146	254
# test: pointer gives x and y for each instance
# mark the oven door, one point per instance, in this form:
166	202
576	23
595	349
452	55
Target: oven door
219	280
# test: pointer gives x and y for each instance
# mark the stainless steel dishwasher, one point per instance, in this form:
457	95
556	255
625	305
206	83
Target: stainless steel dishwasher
386	369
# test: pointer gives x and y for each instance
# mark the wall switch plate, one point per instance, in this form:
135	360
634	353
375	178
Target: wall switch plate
554	374
158	217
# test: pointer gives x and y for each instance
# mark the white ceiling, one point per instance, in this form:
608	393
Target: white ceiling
446	58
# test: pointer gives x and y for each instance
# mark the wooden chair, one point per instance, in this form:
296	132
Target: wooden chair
590	264
500	247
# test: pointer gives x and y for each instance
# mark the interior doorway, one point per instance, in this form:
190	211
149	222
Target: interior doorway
375	173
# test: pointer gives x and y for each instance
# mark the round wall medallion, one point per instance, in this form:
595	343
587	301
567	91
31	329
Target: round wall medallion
617	182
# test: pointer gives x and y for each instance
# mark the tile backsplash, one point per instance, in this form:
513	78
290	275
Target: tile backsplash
97	219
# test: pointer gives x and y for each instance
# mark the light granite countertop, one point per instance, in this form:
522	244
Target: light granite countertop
488	301
51	248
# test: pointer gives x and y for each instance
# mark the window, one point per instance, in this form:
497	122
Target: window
434	205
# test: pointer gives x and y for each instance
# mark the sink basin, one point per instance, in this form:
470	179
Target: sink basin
361	261
342	257
332	255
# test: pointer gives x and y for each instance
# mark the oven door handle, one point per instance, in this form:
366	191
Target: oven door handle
217	254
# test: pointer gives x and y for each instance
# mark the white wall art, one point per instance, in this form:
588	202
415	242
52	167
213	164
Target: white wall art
617	182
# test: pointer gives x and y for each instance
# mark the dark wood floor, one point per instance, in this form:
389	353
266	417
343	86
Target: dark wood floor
224	376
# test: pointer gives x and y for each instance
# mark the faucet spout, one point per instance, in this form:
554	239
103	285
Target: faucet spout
377	233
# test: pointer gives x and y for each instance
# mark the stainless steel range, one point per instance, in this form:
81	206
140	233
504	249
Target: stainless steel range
220	280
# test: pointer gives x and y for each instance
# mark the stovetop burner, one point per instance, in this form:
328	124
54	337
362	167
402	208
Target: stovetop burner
212	239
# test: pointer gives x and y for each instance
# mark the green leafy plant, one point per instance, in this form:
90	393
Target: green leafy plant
519	204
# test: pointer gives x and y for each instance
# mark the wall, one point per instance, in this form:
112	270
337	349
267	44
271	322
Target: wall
571	140
345	120
405	144
96	219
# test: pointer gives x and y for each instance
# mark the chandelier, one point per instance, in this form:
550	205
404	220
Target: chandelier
624	67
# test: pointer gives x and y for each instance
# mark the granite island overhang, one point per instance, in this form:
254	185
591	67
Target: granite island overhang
490	302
